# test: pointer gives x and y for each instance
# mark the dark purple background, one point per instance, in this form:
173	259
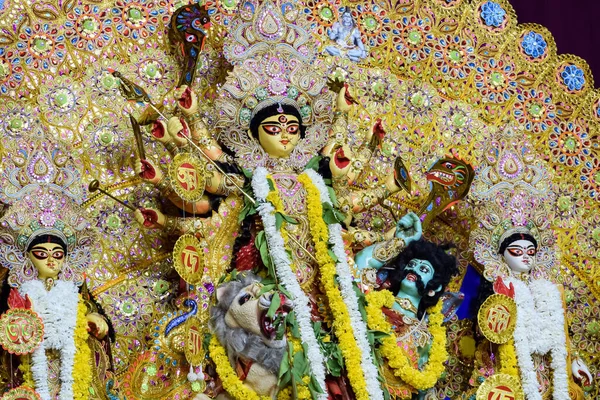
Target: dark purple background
575	25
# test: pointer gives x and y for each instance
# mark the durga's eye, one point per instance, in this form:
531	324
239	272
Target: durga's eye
40	254
272	129
244	299
516	252
293	129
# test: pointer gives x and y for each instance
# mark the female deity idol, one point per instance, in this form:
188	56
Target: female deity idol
526	315
45	244
275	114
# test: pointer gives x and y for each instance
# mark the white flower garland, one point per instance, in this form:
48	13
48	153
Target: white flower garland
349	295
288	279
58	310
540	329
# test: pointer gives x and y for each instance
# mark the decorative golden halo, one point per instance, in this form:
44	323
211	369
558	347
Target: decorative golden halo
187	176
194	333
21	393
500	387
497	318
21	331
188	258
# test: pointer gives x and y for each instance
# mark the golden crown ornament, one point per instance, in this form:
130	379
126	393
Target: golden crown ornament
45	212
512	195
274	64
512	212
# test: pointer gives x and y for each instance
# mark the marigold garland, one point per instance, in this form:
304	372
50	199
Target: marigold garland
274	198
508	358
303	393
82	368
287	277
341	324
82	363
25	368
398	361
231	383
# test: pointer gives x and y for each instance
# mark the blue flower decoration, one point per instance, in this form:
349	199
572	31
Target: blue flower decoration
492	13
534	45
573	77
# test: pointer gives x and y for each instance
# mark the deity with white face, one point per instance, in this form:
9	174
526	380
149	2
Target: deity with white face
539	304
518	251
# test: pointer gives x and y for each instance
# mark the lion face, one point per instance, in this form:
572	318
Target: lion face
248	311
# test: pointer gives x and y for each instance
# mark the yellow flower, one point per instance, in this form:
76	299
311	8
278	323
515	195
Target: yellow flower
508	358
397	360
25	368
285	394
231	382
274	197
82	363
341	319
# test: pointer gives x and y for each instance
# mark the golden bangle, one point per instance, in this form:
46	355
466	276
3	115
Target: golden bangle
164	187
171	225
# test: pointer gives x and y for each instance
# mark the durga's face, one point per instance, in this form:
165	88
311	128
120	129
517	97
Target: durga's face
48	259
520	256
279	135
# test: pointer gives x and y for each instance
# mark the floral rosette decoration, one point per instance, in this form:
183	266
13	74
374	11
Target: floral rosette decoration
496	79
454	56
570	143
413	38
535	110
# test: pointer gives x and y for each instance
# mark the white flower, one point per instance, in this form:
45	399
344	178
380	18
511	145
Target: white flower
282	263
540	329
58	310
345	280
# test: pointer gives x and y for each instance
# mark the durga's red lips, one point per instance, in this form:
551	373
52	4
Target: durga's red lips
284	142
411	277
185	100
340	159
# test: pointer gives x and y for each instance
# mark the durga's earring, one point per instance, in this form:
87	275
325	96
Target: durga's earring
431	293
